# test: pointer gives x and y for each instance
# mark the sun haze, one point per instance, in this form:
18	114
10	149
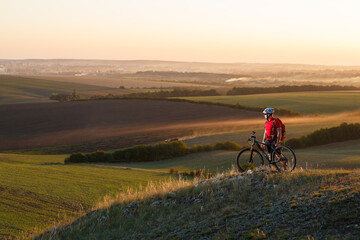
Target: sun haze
313	32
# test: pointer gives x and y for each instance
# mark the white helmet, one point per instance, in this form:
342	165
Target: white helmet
268	111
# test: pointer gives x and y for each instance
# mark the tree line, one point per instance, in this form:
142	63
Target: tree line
177	92
287	88
143	153
343	132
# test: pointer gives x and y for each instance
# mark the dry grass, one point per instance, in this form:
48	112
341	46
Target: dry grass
152	190
151	212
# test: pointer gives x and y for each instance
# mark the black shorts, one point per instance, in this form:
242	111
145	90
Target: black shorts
270	144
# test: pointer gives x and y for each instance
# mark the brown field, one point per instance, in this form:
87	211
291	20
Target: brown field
127	82
110	123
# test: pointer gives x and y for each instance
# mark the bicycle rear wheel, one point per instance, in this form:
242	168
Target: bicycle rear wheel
247	159
284	159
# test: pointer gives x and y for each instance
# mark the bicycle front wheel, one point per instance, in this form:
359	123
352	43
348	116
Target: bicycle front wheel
284	159
248	159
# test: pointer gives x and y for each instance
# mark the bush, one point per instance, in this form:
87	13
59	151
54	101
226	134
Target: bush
228	145
322	136
76	158
177	92
64	97
141	153
208	147
98	156
159	151
109	157
285	88
67	160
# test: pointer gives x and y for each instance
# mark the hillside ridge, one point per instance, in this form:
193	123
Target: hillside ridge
305	204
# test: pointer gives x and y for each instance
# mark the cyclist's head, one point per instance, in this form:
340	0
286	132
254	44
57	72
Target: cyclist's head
268	112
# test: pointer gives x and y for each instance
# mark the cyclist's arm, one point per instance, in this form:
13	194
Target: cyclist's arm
264	138
278	130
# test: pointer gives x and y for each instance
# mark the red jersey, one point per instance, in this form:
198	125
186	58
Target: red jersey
271	133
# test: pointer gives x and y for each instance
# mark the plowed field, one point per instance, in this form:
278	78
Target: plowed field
109	123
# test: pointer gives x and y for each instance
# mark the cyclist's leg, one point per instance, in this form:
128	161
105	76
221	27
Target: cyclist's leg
270	146
285	161
280	158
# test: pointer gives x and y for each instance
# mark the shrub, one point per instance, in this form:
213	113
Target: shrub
67	160
140	153
322	136
208	147
89	157
201	148
227	145
109	157
64	97
285	88
177	92
159	151
98	156
76	158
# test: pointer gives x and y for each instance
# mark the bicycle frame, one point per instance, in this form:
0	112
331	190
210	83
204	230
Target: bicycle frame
257	143
278	154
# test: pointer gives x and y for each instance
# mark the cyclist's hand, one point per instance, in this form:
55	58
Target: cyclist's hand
277	144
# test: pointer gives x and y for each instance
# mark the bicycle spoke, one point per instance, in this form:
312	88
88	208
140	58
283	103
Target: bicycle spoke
249	160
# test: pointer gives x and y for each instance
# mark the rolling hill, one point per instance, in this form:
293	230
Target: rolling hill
314	204
16	89
306	103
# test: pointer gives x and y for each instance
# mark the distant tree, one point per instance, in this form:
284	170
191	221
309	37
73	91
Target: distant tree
322	136
177	92
64	97
285	88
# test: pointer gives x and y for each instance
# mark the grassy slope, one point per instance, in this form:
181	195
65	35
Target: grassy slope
335	155
39	189
305	103
300	205
36	190
14	89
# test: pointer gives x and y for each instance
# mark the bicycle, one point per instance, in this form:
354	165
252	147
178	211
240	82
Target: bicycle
282	157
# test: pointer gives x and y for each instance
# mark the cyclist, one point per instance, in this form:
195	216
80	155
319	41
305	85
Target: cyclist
273	131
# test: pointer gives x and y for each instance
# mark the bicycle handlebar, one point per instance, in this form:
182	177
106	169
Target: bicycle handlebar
254	137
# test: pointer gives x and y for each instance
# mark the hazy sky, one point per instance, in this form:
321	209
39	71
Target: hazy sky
281	31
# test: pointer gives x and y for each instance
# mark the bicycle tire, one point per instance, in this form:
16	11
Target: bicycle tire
244	157
286	162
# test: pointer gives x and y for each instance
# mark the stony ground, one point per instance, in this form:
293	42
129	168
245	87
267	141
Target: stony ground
253	205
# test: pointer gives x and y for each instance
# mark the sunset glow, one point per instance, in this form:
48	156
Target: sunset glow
313	32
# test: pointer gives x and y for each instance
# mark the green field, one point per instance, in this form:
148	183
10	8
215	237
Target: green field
37	190
304	103
15	89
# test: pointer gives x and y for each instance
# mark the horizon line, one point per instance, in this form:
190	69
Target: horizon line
171	61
